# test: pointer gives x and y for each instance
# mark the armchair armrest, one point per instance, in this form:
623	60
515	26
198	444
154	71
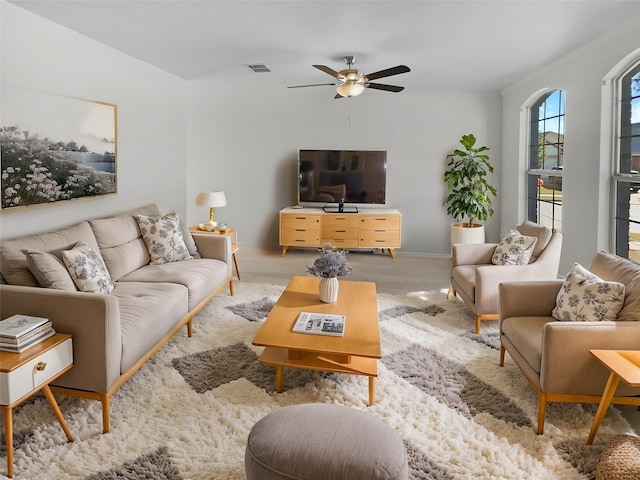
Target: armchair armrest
568	367
471	253
489	277
528	299
92	319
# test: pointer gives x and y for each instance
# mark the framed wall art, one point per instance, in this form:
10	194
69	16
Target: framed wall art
55	148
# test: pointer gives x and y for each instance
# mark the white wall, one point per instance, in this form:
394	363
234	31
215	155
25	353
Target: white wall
244	139
580	74
42	55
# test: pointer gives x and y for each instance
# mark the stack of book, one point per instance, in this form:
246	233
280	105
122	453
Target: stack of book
20	332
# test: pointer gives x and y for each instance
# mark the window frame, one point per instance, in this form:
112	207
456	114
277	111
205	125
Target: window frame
619	225
533	174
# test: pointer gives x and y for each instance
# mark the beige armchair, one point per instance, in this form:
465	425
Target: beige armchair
554	355
475	279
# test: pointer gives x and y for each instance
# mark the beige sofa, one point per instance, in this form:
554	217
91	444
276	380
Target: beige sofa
554	355
114	334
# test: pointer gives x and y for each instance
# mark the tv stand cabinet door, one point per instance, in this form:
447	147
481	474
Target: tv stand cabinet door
300	229
380	231
340	230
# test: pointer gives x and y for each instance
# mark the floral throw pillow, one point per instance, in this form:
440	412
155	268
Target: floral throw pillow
585	297
87	269
163	237
514	249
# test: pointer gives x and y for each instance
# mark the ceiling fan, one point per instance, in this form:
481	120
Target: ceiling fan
352	82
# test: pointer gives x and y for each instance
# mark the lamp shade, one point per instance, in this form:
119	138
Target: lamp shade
211	199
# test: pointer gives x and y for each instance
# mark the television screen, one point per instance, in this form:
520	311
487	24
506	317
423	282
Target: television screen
342	176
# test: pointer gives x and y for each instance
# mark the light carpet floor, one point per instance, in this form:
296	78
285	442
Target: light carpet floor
187	413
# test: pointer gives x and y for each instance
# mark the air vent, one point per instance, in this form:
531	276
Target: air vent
259	68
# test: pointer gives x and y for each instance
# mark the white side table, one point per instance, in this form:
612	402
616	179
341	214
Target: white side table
23	374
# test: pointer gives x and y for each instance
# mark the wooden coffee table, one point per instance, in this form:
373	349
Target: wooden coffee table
624	365
356	352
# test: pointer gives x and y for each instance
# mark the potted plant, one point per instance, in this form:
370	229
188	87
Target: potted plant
331	264
469	201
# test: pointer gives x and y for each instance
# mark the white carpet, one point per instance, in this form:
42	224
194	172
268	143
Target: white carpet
187	413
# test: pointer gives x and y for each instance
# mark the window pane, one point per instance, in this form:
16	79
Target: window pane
628	220
545	200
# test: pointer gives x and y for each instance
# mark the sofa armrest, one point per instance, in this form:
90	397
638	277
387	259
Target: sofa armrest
214	246
566	364
471	253
528	299
93	320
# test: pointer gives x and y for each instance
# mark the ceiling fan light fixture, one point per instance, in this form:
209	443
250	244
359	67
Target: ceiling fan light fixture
350	89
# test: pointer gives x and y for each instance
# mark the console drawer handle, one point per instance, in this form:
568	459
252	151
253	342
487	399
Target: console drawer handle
40	366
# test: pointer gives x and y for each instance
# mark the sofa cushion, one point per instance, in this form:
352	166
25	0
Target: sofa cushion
148	311
13	259
87	269
542	233
163	238
198	277
514	249
585	297
121	244
526	333
613	267
49	270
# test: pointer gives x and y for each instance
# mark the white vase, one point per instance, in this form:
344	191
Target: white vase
329	289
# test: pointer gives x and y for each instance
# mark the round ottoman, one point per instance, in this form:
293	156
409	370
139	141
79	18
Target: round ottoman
323	442
620	460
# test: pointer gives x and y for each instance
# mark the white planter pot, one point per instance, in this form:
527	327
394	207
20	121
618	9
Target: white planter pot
464	234
329	289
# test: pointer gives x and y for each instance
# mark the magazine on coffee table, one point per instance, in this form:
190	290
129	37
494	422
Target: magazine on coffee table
319	324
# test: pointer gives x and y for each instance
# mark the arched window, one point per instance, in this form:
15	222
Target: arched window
546	152
626	177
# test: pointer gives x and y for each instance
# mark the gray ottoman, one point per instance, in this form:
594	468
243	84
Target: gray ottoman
324	442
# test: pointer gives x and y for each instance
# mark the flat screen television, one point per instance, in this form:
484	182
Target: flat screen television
353	177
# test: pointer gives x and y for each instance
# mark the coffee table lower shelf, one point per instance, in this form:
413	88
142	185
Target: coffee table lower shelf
323	362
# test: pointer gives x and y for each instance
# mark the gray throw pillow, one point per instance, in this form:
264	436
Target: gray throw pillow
49	270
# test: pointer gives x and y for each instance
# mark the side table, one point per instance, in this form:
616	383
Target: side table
227	233
624	365
24	374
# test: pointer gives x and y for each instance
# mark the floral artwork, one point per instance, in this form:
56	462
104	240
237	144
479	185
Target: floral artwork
55	148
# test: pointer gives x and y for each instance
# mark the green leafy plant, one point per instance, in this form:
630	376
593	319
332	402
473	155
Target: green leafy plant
469	191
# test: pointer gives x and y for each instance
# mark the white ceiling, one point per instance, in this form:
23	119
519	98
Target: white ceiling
449	45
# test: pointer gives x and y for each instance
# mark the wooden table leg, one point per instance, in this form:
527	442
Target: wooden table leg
279	378
235	262
372	390
56	410
607	395
8	432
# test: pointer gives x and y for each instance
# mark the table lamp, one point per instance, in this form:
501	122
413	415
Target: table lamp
211	199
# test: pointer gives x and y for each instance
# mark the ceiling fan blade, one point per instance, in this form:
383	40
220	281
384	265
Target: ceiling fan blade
338	96
312	85
387	72
328	70
388	88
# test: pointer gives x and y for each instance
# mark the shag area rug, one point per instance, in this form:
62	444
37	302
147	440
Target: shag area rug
187	413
